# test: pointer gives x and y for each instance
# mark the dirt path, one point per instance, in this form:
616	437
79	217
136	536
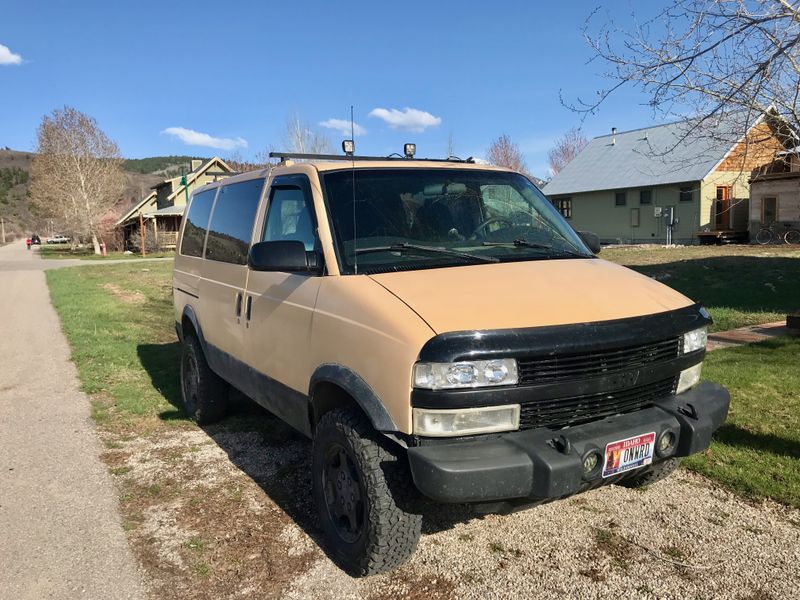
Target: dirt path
60	530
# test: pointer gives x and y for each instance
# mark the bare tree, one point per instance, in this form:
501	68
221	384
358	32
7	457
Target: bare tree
567	147
299	136
77	172
723	61
240	164
505	153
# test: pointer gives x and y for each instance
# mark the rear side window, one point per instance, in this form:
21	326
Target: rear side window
232	221
194	232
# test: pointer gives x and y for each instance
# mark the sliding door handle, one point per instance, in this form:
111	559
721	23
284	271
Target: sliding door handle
238	304
248	308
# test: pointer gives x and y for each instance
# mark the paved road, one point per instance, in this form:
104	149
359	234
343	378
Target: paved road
60	530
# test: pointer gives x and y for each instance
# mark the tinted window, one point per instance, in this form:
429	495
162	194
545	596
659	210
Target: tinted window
687	195
620	199
289	217
194	232
232	221
646	197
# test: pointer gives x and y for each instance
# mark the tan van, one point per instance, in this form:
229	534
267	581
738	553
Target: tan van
437	328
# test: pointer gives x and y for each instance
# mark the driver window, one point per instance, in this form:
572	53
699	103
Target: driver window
289	217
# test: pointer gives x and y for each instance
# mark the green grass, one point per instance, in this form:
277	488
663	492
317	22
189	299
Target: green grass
740	285
757	451
86	253
118	320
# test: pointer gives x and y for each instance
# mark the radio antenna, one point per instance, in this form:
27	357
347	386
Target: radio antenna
353	169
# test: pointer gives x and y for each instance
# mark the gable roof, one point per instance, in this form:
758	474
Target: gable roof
151	197
190	177
657	155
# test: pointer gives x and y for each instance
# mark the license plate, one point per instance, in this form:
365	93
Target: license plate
630	453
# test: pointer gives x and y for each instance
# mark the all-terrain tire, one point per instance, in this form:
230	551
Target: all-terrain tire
204	393
389	531
655	473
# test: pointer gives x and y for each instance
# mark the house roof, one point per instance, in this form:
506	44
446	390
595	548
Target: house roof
136	208
658	155
190	177
167	211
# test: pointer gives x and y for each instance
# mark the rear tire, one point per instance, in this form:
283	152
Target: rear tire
362	489
764	236
204	393
655	473
792	237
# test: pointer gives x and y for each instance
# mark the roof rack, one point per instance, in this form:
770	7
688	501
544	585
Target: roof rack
301	156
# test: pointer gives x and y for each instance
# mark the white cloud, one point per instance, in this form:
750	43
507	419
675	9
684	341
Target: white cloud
343	126
410	119
7	57
198	138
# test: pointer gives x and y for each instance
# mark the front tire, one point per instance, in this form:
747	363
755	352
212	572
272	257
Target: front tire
655	473
792	237
362	489
764	236
204	393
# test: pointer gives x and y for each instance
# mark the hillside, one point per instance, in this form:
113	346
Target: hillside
20	216
166	166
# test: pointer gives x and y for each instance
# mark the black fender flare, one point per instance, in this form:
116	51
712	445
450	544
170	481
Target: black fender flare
358	389
191	316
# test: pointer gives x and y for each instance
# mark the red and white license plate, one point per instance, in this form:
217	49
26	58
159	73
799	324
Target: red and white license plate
631	453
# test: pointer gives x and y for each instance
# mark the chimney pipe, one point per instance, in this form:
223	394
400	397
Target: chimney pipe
613	136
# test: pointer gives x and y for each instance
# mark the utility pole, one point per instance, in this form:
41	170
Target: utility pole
3	229
141	233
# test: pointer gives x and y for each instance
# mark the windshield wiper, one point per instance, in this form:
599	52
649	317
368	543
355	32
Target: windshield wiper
520	243
404	247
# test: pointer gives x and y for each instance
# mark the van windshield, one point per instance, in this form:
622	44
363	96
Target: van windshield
405	219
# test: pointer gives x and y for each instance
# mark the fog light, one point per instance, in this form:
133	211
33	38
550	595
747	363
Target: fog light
590	462
666	442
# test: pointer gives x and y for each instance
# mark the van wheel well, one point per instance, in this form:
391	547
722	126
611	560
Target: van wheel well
327	396
187	327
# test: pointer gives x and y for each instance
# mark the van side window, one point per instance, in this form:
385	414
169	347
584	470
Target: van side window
232	221
289	217
194	232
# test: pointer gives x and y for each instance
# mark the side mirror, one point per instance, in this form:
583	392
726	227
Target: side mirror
591	240
287	256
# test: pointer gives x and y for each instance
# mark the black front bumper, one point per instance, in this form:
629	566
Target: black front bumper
535	465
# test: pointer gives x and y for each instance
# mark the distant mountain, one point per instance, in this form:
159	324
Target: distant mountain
168	166
20	215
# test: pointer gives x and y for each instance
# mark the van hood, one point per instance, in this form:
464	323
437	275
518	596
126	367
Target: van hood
529	294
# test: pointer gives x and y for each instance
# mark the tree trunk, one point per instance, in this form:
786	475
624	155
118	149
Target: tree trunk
95	243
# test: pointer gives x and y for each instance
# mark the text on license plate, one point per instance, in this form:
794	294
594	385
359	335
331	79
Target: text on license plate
630	453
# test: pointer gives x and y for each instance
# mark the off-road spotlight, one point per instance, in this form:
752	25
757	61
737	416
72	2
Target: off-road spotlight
349	147
409	150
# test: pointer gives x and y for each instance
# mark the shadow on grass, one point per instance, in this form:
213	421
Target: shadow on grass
738	437
272	454
747	283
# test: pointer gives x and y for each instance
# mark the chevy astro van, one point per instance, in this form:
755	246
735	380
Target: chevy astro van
438	329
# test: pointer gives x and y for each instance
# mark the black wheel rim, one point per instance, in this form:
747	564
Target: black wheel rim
190	380
344	493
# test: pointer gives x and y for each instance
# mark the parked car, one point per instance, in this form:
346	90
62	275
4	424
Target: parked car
58	239
436	328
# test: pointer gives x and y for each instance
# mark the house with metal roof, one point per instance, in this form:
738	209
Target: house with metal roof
630	186
161	211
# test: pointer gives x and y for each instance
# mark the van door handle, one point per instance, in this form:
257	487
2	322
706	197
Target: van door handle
248	308
238	304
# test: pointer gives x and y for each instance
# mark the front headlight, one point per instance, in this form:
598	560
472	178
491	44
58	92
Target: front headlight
695	340
465	374
465	421
689	378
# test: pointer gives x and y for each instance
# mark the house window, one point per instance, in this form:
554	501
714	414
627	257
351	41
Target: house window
687	194
769	210
646	197
564	206
620	199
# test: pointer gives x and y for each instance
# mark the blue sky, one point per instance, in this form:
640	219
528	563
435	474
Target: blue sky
235	71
